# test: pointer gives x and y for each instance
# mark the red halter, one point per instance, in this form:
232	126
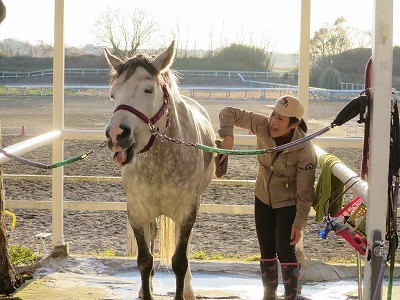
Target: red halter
151	122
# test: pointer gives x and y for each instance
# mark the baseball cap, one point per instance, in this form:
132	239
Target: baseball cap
288	106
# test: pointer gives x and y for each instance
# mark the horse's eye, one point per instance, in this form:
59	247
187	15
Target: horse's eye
147	91
112	96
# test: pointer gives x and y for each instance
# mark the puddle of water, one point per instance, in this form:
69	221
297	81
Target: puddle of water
206	284
90	279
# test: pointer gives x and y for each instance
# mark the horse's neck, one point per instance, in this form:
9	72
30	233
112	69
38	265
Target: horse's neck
178	111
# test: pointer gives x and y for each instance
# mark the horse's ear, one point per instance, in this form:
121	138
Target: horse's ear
113	61
165	59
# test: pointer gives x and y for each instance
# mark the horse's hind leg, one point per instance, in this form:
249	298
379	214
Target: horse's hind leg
145	263
153	235
180	262
188	292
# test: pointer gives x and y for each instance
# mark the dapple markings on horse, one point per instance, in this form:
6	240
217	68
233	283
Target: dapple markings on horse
168	178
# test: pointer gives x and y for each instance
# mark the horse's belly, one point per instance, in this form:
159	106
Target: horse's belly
148	202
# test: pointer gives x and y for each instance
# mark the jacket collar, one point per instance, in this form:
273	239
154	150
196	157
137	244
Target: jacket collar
298	133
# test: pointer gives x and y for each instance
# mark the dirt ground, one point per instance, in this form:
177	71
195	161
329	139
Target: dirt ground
94	232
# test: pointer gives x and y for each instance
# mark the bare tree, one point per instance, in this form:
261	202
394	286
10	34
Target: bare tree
224	37
210	41
330	40
268	48
43	50
124	31
360	38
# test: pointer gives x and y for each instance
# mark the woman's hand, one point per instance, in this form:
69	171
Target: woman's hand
295	235
227	143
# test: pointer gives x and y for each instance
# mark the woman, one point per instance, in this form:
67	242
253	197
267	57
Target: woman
284	188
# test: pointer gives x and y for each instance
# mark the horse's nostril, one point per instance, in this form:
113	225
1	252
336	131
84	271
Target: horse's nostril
126	131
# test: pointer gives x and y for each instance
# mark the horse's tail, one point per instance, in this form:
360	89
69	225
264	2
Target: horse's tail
167	240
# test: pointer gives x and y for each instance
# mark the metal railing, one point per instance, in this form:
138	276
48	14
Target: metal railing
351	86
315	93
340	170
49	72
101	72
47	138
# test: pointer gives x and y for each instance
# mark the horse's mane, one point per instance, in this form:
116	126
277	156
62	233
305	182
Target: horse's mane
130	65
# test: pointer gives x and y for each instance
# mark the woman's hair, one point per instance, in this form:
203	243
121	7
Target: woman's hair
302	124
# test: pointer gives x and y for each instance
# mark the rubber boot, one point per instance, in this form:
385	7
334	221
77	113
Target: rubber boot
269	275
290	277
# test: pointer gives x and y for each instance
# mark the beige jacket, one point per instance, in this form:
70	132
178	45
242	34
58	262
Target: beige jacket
285	179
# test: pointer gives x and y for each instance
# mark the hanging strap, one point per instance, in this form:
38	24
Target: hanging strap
365	151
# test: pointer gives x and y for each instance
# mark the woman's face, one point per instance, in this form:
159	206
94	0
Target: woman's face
279	125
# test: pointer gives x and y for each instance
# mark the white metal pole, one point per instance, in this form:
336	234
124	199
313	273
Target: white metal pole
382	61
58	124
303	73
304	55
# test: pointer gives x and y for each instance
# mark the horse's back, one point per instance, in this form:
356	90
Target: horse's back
196	105
200	117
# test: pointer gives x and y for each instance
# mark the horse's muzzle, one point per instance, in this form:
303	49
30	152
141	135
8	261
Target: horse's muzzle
119	138
120	141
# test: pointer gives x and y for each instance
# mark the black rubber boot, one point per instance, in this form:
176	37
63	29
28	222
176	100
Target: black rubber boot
269	275
290	276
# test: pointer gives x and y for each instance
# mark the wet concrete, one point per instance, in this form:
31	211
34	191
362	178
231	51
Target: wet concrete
80	277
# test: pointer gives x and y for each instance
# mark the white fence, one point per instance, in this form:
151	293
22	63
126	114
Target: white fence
315	93
49	72
341	171
100	72
24	147
351	86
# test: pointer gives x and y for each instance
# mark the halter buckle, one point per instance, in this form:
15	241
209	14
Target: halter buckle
153	129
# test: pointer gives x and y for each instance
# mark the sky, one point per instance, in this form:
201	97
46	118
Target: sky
223	22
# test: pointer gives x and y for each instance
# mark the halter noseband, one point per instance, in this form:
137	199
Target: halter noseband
151	122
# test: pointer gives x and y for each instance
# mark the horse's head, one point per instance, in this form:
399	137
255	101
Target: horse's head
139	91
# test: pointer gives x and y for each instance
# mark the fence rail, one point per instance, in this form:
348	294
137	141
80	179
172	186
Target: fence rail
340	170
41	140
49	72
243	75
315	93
101	72
351	86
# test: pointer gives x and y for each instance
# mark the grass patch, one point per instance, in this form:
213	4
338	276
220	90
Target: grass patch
107	253
21	255
339	260
202	255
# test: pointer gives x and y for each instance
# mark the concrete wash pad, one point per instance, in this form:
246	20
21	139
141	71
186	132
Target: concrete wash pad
82	277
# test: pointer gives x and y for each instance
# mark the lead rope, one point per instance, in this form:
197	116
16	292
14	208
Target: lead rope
163	137
50	166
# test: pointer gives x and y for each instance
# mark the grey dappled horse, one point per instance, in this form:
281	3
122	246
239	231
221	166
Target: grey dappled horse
159	177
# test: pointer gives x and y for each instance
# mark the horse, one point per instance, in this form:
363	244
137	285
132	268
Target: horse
160	178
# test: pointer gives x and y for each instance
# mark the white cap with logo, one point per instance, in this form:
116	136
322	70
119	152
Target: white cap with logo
288	106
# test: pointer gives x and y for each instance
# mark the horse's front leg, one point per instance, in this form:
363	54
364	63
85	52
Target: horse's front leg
180	261
145	263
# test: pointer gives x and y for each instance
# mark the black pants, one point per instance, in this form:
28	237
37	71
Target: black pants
273	228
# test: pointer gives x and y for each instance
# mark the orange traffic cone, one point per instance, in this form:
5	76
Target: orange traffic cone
23	130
